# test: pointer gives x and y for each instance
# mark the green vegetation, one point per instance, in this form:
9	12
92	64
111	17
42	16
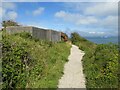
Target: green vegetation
100	63
9	23
32	63
0	60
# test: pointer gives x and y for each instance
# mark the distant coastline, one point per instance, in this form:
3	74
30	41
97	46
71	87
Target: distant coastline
103	40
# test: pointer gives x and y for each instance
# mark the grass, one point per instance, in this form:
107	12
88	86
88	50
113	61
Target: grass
100	63
101	67
41	62
33	63
0	60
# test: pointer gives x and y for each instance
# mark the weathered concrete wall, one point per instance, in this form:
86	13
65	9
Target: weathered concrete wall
18	29
55	36
48	35
39	33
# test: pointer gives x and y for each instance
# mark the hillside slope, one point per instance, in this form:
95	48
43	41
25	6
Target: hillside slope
100	63
32	63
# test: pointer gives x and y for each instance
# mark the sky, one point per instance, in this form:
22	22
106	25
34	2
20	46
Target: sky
86	18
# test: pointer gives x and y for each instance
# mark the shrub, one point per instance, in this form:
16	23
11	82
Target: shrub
100	63
14	62
30	63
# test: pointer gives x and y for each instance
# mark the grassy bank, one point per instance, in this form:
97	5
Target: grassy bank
100	63
32	63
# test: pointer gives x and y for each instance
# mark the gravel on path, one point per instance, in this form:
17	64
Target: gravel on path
73	76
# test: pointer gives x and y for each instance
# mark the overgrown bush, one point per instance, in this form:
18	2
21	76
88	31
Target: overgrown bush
30	63
24	35
100	63
14	62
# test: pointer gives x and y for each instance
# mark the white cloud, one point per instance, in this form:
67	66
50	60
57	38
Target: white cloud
1	12
7	11
9	5
80	6
86	20
94	8
60	14
92	32
108	22
102	9
96	33
101	32
76	18
12	15
38	11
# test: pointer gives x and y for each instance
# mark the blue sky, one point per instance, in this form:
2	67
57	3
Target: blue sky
86	18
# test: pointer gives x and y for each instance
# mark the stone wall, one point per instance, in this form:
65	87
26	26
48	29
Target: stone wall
39	33
18	29
55	36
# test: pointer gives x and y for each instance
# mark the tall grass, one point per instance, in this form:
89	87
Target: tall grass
32	63
100	63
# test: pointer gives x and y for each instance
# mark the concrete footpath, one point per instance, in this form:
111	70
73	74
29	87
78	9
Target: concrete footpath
73	76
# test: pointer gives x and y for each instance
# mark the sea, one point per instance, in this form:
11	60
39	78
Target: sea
103	40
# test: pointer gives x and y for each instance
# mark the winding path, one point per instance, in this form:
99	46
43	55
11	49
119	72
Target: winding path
73	72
